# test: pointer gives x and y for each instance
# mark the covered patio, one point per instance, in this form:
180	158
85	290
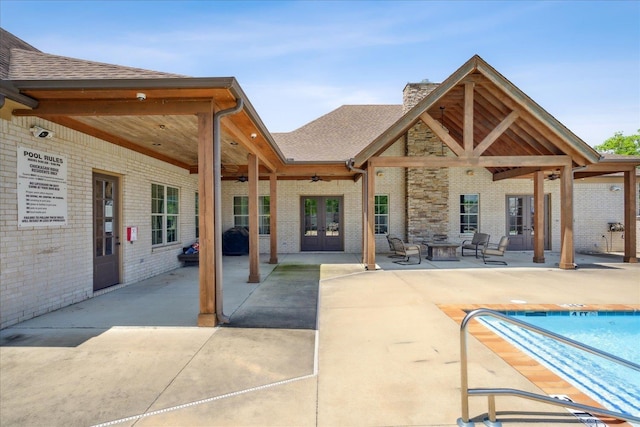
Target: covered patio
484	120
208	126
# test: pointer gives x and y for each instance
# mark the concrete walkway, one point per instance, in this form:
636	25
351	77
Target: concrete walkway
383	352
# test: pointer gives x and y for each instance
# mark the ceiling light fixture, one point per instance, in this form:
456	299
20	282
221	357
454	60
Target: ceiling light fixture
141	96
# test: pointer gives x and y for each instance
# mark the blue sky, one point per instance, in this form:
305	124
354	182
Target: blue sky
580	60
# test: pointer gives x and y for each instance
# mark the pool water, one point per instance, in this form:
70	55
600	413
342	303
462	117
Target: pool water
614	386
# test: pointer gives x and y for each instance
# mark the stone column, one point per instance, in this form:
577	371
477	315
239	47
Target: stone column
427	188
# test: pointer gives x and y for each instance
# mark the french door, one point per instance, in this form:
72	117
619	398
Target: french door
520	221
106	236
321	223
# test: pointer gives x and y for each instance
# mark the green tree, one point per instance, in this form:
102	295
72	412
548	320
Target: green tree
620	144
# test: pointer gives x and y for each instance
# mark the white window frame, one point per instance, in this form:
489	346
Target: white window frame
167	230
377	216
462	214
241	219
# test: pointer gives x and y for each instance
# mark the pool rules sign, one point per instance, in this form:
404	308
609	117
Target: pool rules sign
42	188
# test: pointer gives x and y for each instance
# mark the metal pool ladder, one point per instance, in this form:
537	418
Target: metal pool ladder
491	393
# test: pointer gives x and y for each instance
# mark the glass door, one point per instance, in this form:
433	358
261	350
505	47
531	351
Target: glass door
321	219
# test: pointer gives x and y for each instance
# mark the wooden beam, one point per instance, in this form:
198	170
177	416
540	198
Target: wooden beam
240	136
487	161
567	254
495	133
207	274
321	169
538	217
514	173
273	218
155	107
254	240
467	133
630	210
437	128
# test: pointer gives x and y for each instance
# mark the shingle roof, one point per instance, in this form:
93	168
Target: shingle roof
338	135
30	65
7	42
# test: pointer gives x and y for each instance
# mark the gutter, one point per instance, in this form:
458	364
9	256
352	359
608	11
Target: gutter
217	215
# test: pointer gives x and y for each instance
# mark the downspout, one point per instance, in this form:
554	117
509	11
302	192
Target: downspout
217	199
351	168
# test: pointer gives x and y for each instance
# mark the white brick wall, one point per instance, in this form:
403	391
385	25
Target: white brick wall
45	268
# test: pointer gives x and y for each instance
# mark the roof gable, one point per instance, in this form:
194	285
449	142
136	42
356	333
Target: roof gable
505	121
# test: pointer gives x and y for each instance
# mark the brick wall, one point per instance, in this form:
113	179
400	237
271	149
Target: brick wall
45	268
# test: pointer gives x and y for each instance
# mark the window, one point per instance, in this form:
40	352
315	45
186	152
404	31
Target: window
381	214
241	213
197	215
164	214
469	208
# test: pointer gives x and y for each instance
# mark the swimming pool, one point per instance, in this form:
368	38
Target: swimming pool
615	387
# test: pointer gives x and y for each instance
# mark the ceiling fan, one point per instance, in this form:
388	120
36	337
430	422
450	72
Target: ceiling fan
553	176
243	178
316	178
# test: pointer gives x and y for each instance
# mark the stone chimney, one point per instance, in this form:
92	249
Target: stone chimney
415	92
427	189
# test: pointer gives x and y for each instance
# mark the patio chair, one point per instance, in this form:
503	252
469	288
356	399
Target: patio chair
495	250
477	242
404	250
392	248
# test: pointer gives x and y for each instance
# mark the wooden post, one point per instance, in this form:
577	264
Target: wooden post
538	219
371	237
365	220
630	210
467	135
273	218
566	219
207	278
254	241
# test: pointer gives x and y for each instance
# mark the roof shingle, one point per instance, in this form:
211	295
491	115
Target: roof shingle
338	135
30	65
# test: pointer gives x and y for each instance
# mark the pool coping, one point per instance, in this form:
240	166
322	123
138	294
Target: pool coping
549	382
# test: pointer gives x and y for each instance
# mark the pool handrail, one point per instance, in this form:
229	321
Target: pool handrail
465	391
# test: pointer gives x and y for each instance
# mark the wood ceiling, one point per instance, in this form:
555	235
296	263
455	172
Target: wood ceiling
164	125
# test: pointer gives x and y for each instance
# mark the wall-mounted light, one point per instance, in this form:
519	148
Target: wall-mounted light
614	188
141	96
380	173
470	172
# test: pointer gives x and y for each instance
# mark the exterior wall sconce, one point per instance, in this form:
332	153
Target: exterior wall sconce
380	173
470	172
614	188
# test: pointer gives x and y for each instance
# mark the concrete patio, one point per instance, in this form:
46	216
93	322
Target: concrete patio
319	342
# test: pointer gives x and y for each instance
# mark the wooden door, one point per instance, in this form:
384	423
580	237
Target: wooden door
106	236
321	223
